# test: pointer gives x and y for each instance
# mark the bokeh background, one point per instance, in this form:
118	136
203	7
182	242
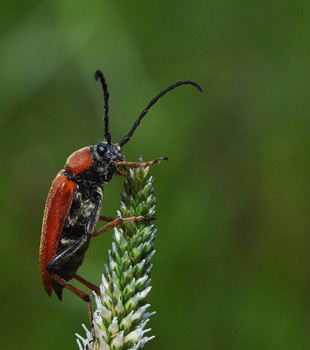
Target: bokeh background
232	266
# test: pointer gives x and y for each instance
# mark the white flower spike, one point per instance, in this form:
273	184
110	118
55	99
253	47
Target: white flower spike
121	315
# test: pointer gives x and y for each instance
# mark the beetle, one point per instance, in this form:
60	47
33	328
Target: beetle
73	205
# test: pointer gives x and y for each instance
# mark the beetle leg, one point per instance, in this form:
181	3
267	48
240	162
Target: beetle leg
119	221
120	173
84	296
106	218
92	222
58	261
88	284
140	164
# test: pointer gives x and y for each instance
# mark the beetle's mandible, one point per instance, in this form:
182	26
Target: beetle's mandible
73	205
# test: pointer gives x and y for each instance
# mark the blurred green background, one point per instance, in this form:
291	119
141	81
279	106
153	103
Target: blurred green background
232	267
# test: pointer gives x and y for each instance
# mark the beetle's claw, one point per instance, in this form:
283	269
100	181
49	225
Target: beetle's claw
146	218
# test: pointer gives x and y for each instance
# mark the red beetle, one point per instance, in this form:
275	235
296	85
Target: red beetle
73	205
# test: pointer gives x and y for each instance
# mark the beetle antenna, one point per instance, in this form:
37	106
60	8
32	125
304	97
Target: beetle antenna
153	101
99	75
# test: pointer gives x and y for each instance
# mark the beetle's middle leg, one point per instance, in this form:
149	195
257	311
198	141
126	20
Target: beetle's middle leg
109	219
119	221
92	221
106	218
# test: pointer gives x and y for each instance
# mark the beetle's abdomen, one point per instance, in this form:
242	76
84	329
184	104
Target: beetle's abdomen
69	269
85	208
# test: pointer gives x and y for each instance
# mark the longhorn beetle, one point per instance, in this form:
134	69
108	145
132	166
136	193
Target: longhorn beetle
73	205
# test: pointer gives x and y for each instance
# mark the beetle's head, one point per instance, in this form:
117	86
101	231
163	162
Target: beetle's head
105	157
94	163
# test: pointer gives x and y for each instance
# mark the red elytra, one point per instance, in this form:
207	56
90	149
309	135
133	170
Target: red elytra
57	207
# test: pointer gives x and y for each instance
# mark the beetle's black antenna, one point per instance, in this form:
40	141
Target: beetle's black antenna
154	100
99	75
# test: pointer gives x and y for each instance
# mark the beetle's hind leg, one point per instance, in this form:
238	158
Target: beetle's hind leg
58	262
88	284
81	294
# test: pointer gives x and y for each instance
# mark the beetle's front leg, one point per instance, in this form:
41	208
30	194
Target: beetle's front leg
139	164
124	172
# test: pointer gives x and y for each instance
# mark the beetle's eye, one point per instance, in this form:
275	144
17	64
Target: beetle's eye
101	149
